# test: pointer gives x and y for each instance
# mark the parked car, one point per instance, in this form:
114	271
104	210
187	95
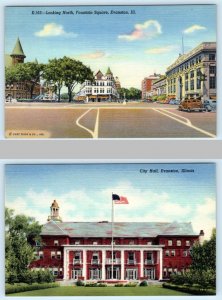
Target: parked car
210	105
174	101
191	105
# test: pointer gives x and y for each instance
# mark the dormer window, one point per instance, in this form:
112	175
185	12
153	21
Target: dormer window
95	243
131	242
149	243
170	242
178	242
77	242
187	243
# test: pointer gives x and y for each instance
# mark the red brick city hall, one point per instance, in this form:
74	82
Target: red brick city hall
141	250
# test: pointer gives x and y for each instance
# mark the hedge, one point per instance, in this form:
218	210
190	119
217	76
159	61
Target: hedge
23	287
195	289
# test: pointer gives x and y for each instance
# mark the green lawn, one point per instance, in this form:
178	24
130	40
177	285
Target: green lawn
103	291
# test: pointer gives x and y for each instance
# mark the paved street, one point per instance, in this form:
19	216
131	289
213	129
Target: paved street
106	120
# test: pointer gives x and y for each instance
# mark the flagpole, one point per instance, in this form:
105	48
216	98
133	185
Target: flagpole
112	237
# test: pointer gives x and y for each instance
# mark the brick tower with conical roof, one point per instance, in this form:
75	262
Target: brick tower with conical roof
54	216
17	55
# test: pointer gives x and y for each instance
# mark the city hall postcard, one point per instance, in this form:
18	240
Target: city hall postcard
97	72
107	229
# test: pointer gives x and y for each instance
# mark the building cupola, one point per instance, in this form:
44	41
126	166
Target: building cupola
54	212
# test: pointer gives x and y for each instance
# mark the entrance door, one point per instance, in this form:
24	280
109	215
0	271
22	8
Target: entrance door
149	273
76	273
116	273
131	274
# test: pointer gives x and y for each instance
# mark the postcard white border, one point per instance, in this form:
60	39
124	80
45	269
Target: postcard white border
40	161
4	3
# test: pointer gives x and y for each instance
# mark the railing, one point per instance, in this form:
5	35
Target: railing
115	261
149	261
95	262
131	261
77	261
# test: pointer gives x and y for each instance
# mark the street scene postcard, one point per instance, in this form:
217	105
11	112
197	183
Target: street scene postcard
110	71
127	229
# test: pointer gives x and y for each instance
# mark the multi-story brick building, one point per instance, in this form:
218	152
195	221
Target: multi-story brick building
141	250
193	75
147	86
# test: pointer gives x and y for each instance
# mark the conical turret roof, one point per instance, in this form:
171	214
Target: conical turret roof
18	49
109	72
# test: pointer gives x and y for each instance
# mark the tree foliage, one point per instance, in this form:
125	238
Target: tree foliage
74	72
27	73
53	75
203	268
21	234
131	93
204	256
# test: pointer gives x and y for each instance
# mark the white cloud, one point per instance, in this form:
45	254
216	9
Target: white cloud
194	28
53	29
148	29
160	50
93	55
145	205
205	217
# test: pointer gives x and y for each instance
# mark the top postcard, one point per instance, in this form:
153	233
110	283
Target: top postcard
110	71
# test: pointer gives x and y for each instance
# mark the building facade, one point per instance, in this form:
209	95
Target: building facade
159	86
18	90
141	250
147	86
104	88
193	75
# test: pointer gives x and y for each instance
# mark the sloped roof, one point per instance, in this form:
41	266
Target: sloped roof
121	229
18	49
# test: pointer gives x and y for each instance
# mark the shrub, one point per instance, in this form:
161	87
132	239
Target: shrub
80	283
143	283
23	287
119	284
154	98
101	284
131	284
161	97
91	284
189	289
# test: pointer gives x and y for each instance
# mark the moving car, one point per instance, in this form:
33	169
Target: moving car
210	105
191	105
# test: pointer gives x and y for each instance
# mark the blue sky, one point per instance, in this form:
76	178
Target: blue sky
84	192
141	43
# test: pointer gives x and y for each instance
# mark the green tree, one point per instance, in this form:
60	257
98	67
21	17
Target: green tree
135	93
203	268
53	75
27	73
22	233
74	72
131	93
204	256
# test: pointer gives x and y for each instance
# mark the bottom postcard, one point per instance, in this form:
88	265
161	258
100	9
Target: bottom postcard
126	229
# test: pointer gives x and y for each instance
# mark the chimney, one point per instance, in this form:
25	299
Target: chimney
201	236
